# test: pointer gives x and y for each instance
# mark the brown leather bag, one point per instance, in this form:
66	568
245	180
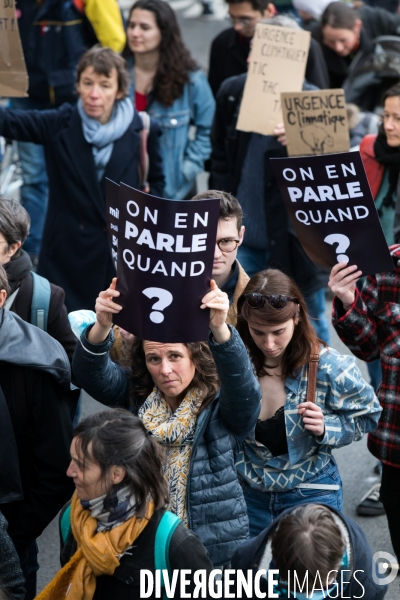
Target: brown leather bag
312	374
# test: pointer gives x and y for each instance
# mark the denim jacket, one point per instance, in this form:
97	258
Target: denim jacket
183	155
350	409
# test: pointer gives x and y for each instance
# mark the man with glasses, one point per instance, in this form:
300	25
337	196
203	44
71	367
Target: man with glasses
227	272
231	48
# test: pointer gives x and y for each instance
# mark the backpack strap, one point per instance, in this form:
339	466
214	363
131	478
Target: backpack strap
40	301
165	531
64	522
144	155
312	375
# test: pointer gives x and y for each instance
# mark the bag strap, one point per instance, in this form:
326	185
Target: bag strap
144	155
40	301
165	531
65	523
312	375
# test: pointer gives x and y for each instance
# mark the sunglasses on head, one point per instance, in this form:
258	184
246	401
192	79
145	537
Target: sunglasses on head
256	300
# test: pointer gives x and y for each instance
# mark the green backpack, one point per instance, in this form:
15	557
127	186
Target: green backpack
164	533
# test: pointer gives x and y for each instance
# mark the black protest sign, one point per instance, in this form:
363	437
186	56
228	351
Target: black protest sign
165	259
332	210
112	217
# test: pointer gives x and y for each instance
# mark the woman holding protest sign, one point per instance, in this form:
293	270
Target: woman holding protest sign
198	400
313	400
167	83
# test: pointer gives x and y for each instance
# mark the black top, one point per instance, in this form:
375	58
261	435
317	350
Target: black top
272	433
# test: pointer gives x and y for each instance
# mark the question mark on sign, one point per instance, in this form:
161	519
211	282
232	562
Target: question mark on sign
342	241
164	299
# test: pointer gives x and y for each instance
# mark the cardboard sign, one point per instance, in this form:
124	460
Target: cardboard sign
315	122
13	75
165	252
277	64
332	210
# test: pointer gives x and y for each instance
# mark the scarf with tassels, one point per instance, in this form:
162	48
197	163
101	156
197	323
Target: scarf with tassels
175	432
98	553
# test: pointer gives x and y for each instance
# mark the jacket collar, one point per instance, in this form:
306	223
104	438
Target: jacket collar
25	345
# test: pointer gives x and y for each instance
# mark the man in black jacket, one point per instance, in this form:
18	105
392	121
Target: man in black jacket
238	160
231	48
315	542
36	408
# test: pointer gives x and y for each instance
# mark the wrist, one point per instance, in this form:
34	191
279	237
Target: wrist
221	333
98	333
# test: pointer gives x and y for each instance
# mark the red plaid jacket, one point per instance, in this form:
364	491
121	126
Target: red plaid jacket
371	329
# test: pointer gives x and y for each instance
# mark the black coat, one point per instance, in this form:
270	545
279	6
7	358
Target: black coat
375	22
250	553
228	57
57	324
34	451
185	552
229	148
75	253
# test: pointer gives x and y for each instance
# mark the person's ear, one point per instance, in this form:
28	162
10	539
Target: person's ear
357	27
241	234
117	474
119	95
13	248
269	12
3	296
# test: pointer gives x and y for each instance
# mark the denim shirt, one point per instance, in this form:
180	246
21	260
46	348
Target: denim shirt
183	154
350	409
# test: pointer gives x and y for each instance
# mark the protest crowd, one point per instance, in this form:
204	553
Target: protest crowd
197	317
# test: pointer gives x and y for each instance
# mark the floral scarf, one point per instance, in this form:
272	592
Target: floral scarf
175	432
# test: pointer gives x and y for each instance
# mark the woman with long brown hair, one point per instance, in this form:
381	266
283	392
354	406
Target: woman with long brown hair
168	84
290	460
198	400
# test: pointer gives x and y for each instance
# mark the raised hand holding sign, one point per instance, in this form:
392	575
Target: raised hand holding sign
163	251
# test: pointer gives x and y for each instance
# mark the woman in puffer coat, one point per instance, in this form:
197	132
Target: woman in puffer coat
198	400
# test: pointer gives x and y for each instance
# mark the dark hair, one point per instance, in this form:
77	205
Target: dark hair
117	437
175	62
229	207
14	222
339	15
391	92
260	5
301	346
307	541
205	378
4	285
104	60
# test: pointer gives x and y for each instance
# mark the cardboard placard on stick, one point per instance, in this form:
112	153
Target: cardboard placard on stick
332	210
112	218
165	253
13	75
277	64
315	122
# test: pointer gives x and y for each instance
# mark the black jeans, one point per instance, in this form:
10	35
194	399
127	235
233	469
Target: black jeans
28	554
390	498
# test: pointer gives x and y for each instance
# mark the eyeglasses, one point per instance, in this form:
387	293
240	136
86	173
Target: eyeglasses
227	244
242	21
256	300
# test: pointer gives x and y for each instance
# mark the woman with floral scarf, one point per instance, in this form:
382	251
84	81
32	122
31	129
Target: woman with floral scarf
199	401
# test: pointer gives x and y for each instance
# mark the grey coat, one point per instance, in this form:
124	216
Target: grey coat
215	502
11	579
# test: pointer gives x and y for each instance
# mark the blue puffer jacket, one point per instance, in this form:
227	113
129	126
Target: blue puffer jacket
215	503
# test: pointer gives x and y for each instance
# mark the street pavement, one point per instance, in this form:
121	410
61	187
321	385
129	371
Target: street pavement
356	464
